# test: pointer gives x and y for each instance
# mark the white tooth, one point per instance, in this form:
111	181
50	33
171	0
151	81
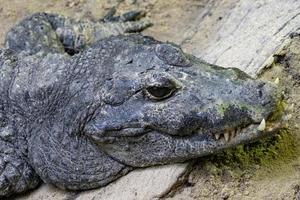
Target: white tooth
217	136
226	136
276	81
262	125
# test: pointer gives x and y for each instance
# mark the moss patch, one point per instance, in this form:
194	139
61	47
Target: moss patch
269	153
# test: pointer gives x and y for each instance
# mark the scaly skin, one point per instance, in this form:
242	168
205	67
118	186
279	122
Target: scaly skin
121	102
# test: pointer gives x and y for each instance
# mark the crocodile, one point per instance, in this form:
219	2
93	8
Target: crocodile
84	102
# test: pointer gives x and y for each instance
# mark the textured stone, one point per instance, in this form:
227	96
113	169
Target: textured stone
139	184
242	33
45	192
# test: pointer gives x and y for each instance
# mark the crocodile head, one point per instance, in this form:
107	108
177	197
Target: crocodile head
161	105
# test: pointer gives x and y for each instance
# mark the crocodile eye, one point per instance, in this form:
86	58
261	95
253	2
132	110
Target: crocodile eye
159	93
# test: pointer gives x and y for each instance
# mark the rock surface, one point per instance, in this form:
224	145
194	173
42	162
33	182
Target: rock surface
239	33
242	34
139	184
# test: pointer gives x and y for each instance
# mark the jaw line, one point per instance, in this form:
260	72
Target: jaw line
208	145
178	148
247	134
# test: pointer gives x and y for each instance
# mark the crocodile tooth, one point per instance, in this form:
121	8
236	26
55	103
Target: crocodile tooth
217	136
276	81
227	136
262	125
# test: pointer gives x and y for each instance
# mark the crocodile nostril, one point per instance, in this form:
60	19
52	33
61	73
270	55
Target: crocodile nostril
262	84
260	93
261	90
267	94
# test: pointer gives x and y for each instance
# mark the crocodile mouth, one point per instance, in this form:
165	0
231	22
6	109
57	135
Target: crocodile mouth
246	133
226	136
148	148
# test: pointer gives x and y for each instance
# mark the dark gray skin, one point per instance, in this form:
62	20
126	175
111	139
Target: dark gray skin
121	102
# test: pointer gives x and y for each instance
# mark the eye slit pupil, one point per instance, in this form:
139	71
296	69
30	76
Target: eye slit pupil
159	92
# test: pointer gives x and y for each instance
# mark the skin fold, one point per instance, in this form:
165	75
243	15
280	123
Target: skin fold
82	103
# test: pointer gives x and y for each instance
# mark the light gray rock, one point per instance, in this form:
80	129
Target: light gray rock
140	184
242	33
45	192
